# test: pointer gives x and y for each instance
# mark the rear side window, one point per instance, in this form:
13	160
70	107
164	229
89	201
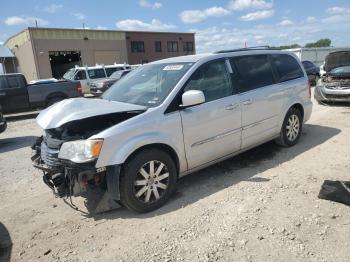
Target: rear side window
12	82
111	70
287	67
81	75
96	73
252	71
212	79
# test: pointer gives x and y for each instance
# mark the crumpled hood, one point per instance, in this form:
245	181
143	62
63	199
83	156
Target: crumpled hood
80	108
337	59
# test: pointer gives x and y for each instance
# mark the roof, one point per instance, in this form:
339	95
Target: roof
230	53
5	52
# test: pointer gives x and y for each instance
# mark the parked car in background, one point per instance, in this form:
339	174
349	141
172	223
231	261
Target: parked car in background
16	95
312	71
335	84
3	124
88	74
98	87
170	118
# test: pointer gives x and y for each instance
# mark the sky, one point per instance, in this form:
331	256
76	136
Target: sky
220	24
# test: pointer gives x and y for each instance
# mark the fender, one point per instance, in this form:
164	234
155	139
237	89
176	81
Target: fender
292	101
120	154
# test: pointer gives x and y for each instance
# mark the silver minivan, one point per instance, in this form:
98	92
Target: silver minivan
167	119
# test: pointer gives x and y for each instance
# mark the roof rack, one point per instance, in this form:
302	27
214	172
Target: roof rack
263	47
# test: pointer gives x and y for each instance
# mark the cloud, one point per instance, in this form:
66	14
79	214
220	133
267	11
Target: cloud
311	19
229	37
100	27
53	8
286	22
239	5
196	16
79	16
25	20
133	24
147	4
258	15
336	10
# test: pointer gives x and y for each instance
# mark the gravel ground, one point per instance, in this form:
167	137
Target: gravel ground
259	206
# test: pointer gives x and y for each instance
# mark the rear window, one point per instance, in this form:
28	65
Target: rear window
253	71
287	67
96	73
13	82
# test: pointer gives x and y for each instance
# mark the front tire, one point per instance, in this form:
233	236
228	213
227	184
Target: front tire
291	128
148	180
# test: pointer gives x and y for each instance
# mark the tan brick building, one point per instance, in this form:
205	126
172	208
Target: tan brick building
49	52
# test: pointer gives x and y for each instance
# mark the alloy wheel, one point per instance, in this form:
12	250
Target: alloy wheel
152	181
293	127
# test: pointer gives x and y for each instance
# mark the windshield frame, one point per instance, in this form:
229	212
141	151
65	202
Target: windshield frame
184	68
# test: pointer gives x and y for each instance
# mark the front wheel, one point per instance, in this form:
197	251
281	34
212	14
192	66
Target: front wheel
147	181
291	128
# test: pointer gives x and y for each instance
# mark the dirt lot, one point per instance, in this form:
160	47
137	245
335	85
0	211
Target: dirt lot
260	206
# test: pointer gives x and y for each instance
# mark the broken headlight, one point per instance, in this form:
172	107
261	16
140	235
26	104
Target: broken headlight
81	151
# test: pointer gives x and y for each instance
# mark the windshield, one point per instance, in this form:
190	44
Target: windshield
148	85
116	75
343	70
69	75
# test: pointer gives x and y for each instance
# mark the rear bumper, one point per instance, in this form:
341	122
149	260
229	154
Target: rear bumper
323	94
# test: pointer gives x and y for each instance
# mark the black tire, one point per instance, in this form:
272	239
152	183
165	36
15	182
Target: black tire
131	173
54	100
285	138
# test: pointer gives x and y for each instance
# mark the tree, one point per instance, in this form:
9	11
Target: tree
324	42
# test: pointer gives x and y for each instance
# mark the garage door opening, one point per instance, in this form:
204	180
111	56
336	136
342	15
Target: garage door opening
61	61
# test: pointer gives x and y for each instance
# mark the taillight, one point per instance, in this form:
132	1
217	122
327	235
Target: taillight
78	88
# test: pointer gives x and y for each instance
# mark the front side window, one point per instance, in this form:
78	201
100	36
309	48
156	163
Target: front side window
253	71
212	79
287	67
173	46
96	73
147	85
137	47
12	82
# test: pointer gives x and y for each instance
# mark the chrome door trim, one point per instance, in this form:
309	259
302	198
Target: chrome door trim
211	139
257	123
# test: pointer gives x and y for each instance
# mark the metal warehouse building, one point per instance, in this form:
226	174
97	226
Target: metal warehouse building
50	52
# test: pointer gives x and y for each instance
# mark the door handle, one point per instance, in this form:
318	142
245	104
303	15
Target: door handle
232	106
247	102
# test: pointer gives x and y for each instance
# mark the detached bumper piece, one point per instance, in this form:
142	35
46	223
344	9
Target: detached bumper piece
100	186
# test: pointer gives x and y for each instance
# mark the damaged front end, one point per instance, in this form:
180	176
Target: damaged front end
71	176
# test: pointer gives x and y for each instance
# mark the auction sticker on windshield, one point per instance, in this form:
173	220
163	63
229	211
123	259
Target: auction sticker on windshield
173	67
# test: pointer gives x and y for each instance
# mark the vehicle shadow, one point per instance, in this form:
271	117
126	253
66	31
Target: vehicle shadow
14	143
5	244
208	181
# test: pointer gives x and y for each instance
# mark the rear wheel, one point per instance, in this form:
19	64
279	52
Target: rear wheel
148	180
291	128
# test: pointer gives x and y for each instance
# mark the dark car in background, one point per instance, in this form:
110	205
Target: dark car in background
98	87
312	71
16	95
3	124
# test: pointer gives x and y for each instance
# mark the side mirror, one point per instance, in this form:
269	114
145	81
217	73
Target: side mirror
192	97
